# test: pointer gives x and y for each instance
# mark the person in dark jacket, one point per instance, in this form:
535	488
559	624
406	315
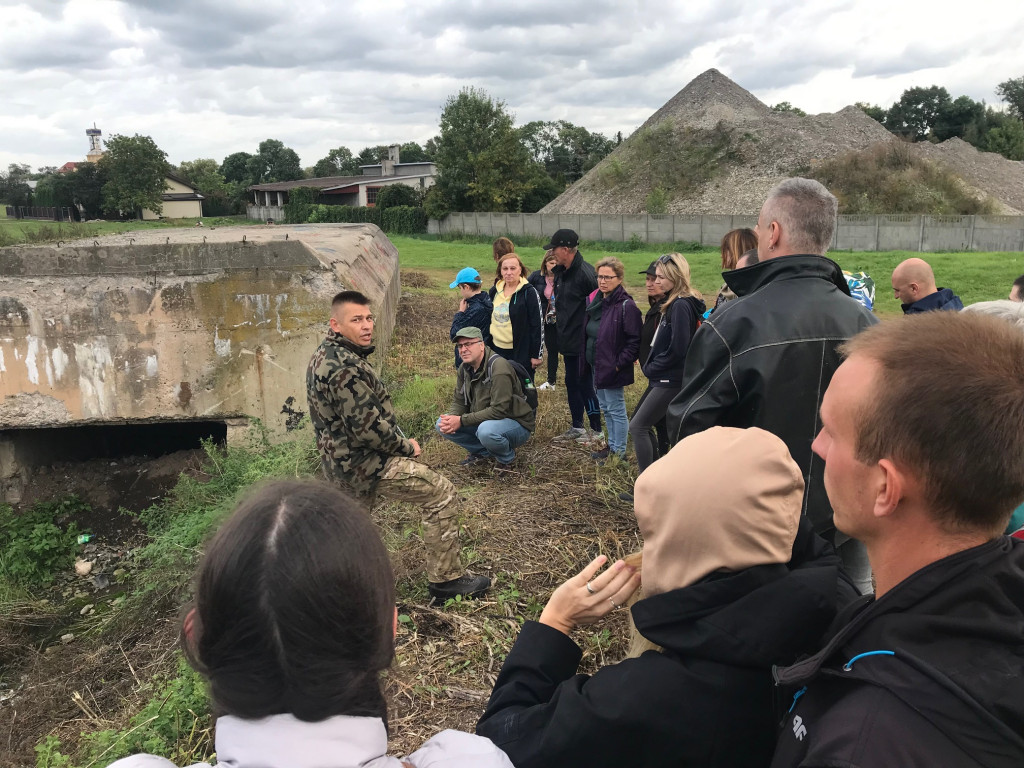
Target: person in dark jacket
765	359
732	584
543	281
474	305
680	315
516	328
913	283
612	340
655	298
575	280
931	671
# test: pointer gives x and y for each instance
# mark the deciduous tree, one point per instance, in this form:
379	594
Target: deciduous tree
339	162
1012	92
393	195
274	162
235	168
872	110
14	188
917	112
136	170
482	162
785	106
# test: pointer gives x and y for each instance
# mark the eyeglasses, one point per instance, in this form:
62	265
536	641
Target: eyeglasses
467	344
607	277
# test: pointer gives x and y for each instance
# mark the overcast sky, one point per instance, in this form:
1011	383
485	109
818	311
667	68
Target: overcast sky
206	79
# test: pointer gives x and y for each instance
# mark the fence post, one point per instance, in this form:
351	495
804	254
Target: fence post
920	237
701	229
970	241
878	219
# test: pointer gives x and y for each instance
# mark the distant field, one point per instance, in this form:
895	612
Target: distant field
17	231
974	276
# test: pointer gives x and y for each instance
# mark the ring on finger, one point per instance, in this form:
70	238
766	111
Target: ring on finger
590	589
614	604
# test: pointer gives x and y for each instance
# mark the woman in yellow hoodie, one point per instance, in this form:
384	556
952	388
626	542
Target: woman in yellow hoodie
517	324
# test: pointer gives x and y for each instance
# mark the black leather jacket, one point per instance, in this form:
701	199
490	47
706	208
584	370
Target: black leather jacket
765	360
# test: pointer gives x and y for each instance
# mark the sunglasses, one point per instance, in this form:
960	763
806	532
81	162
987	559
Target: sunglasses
666	259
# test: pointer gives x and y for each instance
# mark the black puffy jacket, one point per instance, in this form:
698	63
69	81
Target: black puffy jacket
708	700
929	675
765	360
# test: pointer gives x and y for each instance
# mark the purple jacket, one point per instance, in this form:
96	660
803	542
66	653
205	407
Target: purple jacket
618	339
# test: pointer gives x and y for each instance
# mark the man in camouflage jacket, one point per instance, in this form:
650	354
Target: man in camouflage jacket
363	449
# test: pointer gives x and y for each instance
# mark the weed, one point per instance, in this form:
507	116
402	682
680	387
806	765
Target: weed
657	201
39	542
173	723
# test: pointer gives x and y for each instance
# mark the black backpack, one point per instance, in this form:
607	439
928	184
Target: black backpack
528	391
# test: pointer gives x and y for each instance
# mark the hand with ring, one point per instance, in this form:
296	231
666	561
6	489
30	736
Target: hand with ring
588	597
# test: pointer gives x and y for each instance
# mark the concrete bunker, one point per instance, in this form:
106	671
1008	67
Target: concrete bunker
161	329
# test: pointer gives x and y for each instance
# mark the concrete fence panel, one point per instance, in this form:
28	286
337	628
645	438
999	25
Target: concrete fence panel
714	229
947	233
859	232
661	229
899	232
590	226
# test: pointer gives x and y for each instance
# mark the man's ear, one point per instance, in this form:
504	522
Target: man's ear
892	488
334	324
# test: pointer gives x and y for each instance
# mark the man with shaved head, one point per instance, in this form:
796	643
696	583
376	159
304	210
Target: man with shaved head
913	282
765	358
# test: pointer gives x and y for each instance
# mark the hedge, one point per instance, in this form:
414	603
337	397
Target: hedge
400	220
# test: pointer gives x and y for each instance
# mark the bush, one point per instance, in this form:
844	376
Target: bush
404	220
889	178
300	202
394	195
39	542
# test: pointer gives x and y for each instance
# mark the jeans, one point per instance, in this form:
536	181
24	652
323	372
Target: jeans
650	412
613	403
551	350
579	389
497	437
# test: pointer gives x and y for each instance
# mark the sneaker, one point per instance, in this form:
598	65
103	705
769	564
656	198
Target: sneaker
589	438
599	455
547	386
467	586
501	467
473	460
571	434
626	497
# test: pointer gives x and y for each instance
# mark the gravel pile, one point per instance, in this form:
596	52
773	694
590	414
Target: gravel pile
773	146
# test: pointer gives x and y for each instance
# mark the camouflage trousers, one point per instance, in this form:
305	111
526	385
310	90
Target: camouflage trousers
404	479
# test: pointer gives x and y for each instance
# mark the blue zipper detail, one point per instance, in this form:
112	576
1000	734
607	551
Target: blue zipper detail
849	665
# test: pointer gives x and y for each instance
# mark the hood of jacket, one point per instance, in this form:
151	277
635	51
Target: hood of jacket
747	280
754	617
947	642
500	286
942	299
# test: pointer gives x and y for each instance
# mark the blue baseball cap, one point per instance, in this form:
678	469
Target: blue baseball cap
466	275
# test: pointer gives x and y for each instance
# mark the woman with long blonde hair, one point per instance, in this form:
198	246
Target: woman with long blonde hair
681	314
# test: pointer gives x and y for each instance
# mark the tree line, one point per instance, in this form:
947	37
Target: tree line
485	161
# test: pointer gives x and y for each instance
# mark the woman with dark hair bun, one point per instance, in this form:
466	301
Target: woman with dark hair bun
293	622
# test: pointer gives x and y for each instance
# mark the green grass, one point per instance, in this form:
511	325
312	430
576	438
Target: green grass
19	231
973	276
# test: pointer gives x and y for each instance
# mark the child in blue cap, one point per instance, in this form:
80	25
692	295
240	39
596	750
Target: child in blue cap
474	305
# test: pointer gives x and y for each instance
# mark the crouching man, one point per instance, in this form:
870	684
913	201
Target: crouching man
925	469
363	450
490	415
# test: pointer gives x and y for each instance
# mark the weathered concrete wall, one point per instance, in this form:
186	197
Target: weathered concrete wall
178	324
854	232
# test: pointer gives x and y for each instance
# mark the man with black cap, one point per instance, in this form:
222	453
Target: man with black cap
575	280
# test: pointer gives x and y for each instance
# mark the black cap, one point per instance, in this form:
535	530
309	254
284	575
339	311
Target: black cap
651	271
563	238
